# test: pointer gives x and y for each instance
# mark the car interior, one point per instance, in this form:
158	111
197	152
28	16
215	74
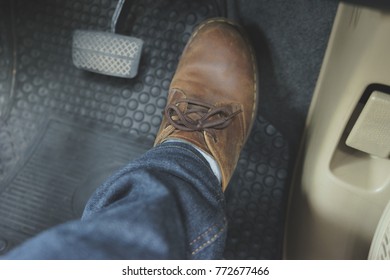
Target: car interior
83	84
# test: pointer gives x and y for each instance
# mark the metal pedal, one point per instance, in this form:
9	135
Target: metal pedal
106	53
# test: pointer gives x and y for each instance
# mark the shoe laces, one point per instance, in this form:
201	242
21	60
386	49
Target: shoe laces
199	116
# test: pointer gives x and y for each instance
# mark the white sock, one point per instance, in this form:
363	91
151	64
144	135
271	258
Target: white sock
212	162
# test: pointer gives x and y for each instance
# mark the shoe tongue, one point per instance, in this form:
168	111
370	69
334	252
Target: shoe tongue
196	112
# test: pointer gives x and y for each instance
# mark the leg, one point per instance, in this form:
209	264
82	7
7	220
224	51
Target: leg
169	203
166	205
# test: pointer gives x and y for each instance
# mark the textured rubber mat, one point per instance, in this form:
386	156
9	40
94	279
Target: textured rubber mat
60	171
62	130
256	196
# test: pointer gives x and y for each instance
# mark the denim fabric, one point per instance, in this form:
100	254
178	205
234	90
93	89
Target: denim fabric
167	204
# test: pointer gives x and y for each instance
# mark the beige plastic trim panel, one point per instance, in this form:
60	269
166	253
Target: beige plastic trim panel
339	193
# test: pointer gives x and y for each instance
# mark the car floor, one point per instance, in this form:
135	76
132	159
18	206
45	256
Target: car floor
64	130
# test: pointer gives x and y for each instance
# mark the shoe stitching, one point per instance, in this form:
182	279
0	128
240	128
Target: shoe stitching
255	74
222	20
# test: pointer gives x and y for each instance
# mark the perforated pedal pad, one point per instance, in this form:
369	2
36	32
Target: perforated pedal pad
106	53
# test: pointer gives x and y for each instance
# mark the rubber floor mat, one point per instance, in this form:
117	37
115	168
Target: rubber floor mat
63	130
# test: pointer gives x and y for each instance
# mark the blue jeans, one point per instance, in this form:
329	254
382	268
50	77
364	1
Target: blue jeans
167	204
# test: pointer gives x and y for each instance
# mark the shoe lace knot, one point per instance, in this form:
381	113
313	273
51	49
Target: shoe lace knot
199	116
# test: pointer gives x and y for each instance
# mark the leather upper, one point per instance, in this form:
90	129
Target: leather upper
217	68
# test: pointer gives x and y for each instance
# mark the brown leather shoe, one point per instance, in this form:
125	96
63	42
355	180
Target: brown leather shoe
213	96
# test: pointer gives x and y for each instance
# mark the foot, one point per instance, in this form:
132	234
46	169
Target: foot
212	99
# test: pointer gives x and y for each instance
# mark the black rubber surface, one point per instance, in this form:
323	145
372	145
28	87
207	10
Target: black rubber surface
62	130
